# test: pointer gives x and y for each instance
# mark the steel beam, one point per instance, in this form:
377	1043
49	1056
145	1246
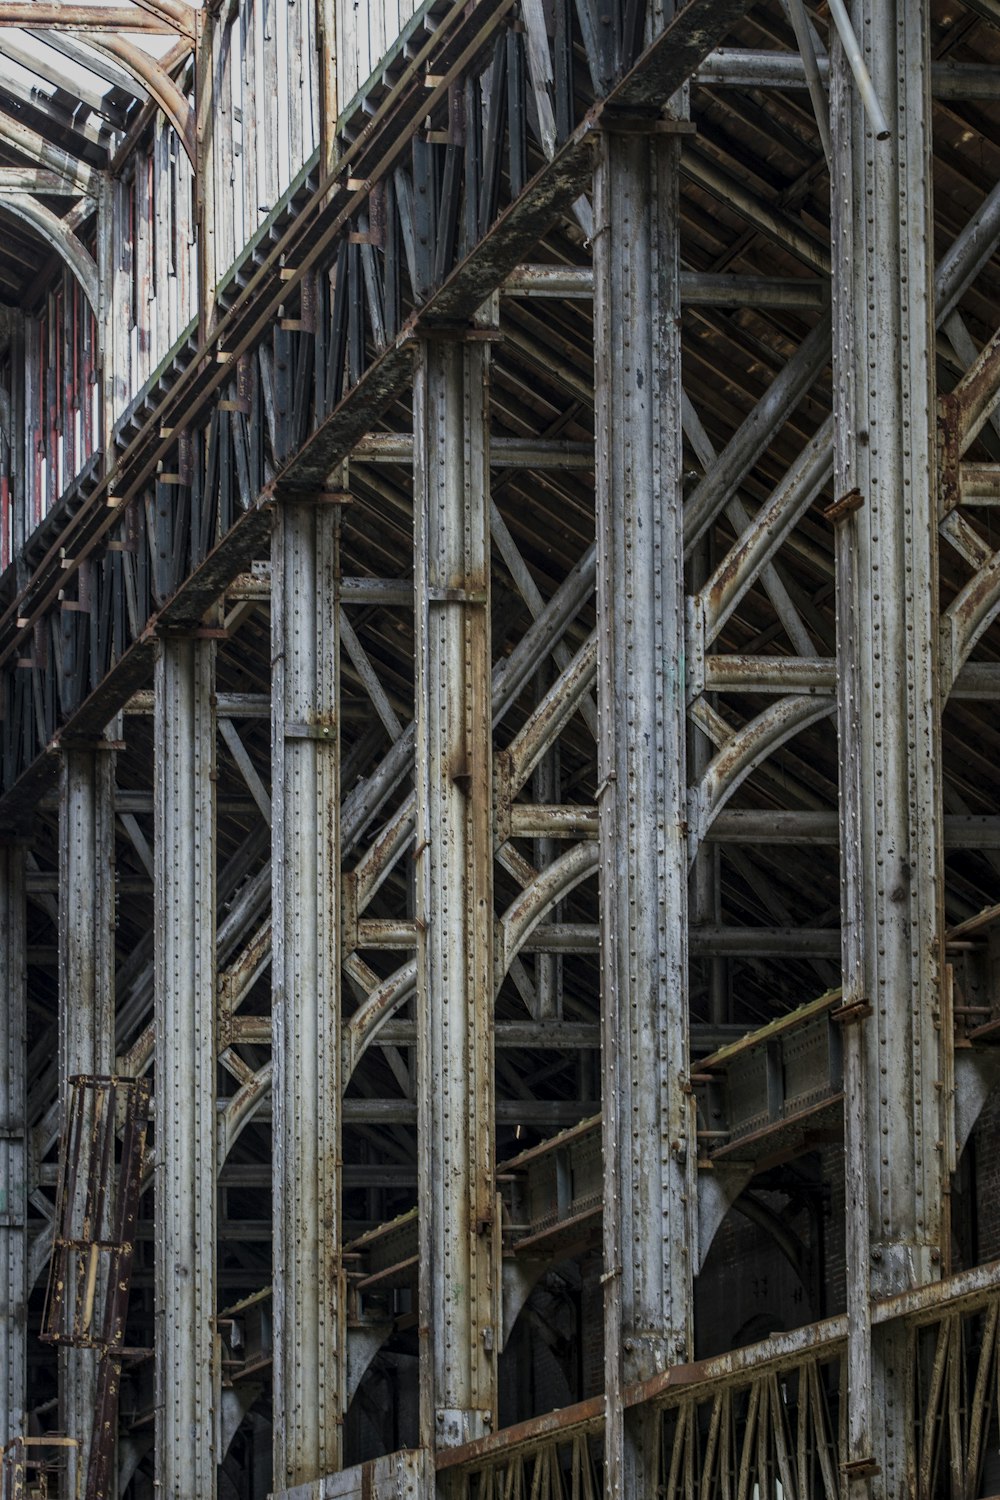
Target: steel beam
184	1009
309	1334
459	1226
898	1138
13	1144
648	1133
86	996
63	17
738	67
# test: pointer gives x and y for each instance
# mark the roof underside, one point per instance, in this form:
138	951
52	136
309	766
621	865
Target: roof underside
66	101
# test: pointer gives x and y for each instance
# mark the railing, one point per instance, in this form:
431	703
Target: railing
770	1419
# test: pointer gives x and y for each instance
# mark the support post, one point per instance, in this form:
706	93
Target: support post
184	1013
86	998
204	168
459	1267
649	1143
309	1332
326	27
896	1053
13	1144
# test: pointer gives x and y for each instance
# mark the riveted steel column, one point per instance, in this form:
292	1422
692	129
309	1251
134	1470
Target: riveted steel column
897	1138
458	1267
648	1134
305	967
86	994
184	934
13	1144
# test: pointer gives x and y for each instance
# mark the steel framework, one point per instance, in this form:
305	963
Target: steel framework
498	721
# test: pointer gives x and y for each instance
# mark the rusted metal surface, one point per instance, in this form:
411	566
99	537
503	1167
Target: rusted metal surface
96	1211
86	1012
85	17
37	1467
185	1063
459	1232
309	1327
897	1063
14	1282
463	173
648	1118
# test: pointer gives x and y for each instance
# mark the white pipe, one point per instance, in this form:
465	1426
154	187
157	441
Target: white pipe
842	21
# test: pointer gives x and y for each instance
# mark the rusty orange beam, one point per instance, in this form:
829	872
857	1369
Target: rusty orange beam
56	17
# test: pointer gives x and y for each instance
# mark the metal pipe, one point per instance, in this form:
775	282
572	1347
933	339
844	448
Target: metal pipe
862	77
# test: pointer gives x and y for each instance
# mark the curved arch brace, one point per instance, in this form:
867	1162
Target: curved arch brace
383	1002
969	615
744	751
175	12
515	927
241	1109
62	240
537	899
159	83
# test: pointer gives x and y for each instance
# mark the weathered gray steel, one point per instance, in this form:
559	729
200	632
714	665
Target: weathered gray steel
185	1057
649	1145
13	1144
897	1053
86	999
309	1330
459	1228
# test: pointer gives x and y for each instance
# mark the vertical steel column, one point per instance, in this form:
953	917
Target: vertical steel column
897	1135
309	1333
459	1269
185	1177
545	789
205	206
86	994
13	1143
649	1145
110	402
